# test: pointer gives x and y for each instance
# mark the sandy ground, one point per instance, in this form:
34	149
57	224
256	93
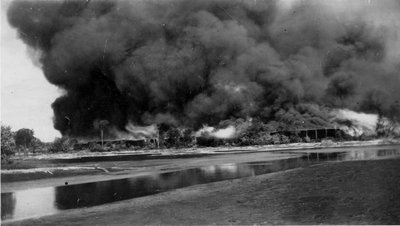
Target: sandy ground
354	192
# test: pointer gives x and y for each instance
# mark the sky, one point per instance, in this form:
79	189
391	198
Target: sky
26	96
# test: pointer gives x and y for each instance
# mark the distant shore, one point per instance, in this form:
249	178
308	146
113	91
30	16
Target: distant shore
210	150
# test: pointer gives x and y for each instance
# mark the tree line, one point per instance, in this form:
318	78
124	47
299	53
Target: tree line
22	140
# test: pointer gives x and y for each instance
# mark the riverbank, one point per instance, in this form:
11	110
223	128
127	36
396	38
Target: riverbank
353	192
177	152
30	172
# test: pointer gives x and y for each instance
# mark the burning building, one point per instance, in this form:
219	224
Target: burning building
189	63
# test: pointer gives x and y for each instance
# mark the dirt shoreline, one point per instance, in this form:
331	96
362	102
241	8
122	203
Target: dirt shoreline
129	169
354	192
211	150
42	173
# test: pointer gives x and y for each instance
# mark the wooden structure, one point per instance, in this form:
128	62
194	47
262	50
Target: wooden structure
313	134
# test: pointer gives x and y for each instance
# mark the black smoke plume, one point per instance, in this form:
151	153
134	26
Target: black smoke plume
188	63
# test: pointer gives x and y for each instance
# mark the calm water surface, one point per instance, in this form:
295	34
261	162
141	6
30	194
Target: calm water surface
46	201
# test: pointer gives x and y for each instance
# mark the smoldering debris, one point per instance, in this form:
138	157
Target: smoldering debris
190	63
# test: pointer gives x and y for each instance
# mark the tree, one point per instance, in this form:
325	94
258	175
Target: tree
7	142
37	144
186	138
101	125
172	137
60	145
24	137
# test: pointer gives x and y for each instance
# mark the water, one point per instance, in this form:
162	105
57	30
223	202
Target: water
51	200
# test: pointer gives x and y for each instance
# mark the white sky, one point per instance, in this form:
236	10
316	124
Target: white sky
26	96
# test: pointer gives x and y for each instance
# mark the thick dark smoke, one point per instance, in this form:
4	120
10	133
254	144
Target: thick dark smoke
188	63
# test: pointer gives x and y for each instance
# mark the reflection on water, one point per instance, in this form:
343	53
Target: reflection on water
7	205
44	201
372	154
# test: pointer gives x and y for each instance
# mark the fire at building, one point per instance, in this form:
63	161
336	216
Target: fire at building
186	64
